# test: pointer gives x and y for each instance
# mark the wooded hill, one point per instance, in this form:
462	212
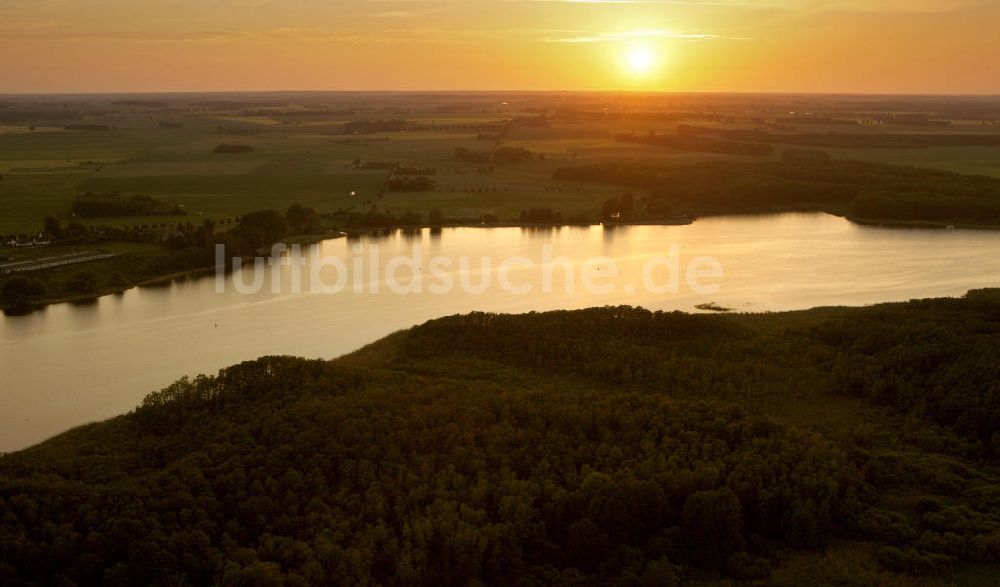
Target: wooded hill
606	446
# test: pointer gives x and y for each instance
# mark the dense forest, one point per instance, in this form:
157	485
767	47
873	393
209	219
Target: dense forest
805	180
610	446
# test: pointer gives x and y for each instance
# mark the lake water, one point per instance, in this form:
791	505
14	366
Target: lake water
71	364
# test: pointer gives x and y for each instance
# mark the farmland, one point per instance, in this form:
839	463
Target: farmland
360	160
299	154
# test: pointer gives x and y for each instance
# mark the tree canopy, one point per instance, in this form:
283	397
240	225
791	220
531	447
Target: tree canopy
605	446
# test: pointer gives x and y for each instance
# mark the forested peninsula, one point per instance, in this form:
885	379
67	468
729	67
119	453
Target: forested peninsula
614	446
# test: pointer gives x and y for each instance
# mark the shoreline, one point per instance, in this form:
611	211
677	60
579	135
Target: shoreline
664	222
920	224
82	299
154	281
312	239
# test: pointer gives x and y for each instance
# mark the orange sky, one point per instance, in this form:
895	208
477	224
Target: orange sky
869	46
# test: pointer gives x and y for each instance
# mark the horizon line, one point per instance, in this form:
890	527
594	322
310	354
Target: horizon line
512	91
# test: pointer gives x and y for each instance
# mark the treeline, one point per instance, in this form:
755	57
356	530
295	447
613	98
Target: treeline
498	155
805	180
185	247
89	127
610	446
20	292
690	142
365	127
257	231
887	140
910	119
91	205
618	207
823	120
226	148
417	183
850	140
374	218
540	216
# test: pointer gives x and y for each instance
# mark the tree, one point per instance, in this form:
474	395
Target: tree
435	217
712	524
20	290
410	219
269	222
84	282
52	227
659	573
301	219
623	204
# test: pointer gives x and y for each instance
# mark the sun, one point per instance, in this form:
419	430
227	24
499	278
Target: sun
640	60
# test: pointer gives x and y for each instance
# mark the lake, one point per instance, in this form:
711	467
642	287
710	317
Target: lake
70	364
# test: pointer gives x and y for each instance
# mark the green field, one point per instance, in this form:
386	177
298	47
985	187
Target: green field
967	160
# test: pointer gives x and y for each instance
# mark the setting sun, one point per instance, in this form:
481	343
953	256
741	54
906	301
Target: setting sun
640	61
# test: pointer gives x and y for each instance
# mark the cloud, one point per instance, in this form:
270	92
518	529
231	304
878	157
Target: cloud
630	35
805	6
285	34
879	6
